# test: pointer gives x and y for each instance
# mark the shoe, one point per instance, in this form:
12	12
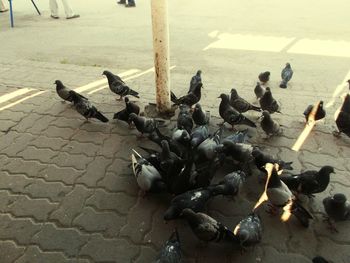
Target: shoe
121	2
74	16
130	5
4	10
54	17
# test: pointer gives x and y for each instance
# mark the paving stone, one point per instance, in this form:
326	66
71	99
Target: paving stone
109	223
27	122
34	254
41	155
19	144
273	255
54	144
41	189
334	251
119	202
14	183
57	132
7	139
117	183
15	116
109	250
41	124
95	171
19	166
53	173
77	161
147	254
71	205
92	137
68	241
74	147
9	251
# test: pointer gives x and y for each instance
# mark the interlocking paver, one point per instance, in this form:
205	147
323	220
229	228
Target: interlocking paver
9	251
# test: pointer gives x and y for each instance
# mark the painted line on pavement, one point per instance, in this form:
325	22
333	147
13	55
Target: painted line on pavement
21	100
14	94
338	90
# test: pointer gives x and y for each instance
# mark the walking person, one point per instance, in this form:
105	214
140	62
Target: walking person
2	7
67	9
131	3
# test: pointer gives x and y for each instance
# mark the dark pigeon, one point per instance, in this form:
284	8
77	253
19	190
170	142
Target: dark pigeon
337	208
117	85
231	183
268	103
320	113
207	228
249	230
319	259
238	137
240	104
85	108
259	90
261	159
230	115
65	93
145	125
199	116
171	251
124	114
309	182
184	119
343	118
196	81
264	77
269	126
240	152
286	76
199	135
190	99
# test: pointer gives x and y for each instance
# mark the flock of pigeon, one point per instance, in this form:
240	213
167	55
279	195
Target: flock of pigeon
189	156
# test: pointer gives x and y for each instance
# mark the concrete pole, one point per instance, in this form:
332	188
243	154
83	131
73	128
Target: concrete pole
160	28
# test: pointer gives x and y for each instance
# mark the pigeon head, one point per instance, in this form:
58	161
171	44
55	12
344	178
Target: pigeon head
287	65
165	145
223	97
266	114
171	213
185	136
219	148
58	83
199	73
256	152
243	236
132	116
126	99
321	104
268	89
234	93
198	107
106	73
326	170
184	108
339	198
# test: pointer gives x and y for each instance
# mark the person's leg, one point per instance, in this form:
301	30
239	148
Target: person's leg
2	7
68	10
54	8
131	3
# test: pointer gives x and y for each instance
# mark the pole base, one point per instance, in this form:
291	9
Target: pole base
152	112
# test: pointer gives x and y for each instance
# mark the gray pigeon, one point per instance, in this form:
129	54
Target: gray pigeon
199	135
196	80
117	85
337	208
259	90
85	108
171	251
199	116
270	126
207	228
231	183
147	176
249	230
286	75
65	93
145	125
184	119
230	115
267	102
240	104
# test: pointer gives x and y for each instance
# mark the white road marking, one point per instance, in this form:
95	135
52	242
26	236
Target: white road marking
321	47
250	42
14	94
213	34
21	100
338	90
103	81
129	78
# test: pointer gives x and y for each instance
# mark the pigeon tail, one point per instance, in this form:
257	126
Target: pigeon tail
256	108
283	85
100	117
288	166
248	122
173	97
301	213
134	93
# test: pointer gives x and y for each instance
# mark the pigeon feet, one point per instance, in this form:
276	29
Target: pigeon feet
336	134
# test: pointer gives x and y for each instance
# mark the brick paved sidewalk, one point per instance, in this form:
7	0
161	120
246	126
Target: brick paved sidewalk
68	195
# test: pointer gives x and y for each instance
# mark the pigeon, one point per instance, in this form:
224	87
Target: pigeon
269	126
86	109
207	228
320	113
240	104
193	199
184	119
230	115
240	152
279	195
264	77
309	182
259	90
147	176
337	209
143	124
207	149
190	99
343	118
196	80
238	137
117	85
171	251
231	183
267	102
199	116
199	135
65	93
261	159
286	75
124	114
249	230
319	259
